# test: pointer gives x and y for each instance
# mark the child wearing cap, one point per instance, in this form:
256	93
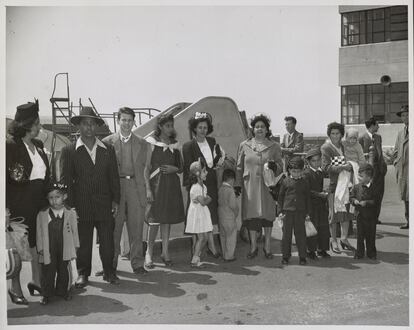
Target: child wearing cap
319	206
57	242
198	214
364	197
294	202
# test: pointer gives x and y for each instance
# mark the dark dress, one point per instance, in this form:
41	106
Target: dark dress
191	153
168	205
25	198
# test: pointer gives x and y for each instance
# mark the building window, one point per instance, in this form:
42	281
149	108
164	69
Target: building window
361	102
376	25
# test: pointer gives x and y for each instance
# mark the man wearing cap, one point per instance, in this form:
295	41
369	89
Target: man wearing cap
133	156
370	139
90	171
401	161
292	141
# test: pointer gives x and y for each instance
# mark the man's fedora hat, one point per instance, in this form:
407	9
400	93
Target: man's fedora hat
404	108
87	112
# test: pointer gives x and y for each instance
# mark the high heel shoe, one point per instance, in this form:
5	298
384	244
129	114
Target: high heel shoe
18	300
268	255
253	254
32	288
346	246
336	249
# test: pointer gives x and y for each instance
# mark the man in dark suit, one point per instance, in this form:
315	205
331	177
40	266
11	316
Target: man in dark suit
90	171
292	141
371	139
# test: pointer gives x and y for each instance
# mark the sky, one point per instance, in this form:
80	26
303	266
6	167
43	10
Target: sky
277	60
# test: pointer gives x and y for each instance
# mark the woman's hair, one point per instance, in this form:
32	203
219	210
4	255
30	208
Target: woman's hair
18	131
161	120
198	118
336	125
265	120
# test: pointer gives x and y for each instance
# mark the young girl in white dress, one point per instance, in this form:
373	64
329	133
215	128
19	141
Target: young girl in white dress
198	215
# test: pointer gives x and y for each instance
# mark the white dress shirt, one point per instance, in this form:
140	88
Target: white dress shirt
92	153
206	151
125	139
39	167
57	213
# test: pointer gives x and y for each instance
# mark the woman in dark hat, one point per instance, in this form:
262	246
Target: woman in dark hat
205	148
28	174
167	207
258	205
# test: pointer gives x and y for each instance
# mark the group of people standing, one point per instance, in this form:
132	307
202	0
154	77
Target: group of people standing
128	179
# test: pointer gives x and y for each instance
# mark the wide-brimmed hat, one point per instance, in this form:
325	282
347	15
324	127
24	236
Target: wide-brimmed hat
87	112
26	113
404	108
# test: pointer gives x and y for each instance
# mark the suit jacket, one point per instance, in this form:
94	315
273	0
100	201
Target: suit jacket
401	163
141	155
228	209
91	187
191	153
370	195
295	145
366	142
18	156
294	195
70	235
328	153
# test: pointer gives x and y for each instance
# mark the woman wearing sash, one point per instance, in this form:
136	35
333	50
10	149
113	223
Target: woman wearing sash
168	206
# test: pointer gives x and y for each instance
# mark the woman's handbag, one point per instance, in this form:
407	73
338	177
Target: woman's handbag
310	229
17	238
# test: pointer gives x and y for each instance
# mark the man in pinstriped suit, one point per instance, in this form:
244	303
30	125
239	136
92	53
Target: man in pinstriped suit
89	169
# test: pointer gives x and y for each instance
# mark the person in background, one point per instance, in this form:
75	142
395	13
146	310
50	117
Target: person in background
133	155
331	149
364	197
295	204
168	206
401	161
258	206
57	242
372	140
27	176
319	206
89	170
228	210
292	141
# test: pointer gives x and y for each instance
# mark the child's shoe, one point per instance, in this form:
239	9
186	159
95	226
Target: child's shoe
302	261
44	301
196	263
312	255
324	254
285	261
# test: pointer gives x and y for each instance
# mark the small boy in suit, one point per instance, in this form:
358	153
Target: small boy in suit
57	242
364	197
228	211
319	207
294	202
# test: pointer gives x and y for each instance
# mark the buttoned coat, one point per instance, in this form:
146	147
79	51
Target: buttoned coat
141	157
228	209
401	163
91	187
257	202
70	235
296	144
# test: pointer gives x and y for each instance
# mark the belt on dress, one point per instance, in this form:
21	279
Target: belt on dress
128	177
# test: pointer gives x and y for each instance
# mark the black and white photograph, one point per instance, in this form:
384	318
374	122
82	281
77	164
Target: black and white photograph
206	163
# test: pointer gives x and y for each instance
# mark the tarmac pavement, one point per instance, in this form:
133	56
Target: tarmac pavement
339	290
